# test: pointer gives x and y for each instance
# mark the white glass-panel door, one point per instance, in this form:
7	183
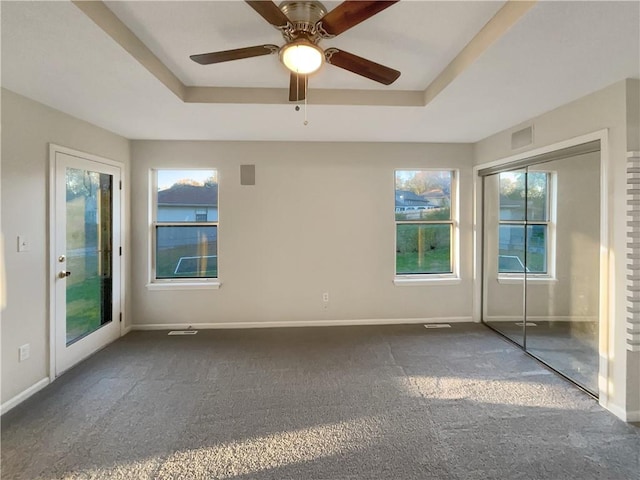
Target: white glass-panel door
87	262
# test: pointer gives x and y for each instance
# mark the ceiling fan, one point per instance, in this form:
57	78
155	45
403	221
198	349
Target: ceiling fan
303	25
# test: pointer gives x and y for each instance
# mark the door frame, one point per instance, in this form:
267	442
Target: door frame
607	319
52	263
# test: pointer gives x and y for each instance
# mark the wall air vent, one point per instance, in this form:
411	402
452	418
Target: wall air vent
522	138
247	174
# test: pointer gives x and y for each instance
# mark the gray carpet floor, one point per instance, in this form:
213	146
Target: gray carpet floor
393	402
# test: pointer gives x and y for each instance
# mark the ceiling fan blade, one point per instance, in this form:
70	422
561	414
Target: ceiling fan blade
236	54
270	12
361	66
297	87
349	14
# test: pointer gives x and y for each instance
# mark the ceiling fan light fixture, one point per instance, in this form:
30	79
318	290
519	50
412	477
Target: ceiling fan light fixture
302	57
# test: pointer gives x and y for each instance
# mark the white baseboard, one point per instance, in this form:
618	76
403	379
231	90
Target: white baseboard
622	414
566	318
541	318
125	330
22	396
633	416
310	323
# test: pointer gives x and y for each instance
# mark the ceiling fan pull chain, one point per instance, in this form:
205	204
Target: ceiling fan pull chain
306	89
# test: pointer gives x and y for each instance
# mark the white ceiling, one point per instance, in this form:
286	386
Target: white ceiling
52	52
417	41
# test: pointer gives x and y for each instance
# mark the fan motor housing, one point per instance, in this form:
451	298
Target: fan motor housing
303	16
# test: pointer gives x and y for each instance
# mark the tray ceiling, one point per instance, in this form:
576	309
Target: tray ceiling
557	52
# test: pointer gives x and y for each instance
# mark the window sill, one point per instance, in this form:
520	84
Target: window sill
520	280
416	281
177	285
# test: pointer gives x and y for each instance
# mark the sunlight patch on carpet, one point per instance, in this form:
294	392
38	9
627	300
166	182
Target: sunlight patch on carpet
495	391
245	457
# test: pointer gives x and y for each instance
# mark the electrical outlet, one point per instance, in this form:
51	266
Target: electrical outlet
325	297
23	352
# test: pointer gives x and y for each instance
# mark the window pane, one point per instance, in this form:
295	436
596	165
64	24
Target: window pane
512	196
187	196
423	195
511	249
423	249
537	186
89	252
187	252
511	258
537	248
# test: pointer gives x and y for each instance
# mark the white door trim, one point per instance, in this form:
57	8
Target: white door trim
52	265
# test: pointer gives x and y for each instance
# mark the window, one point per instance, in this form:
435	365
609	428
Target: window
201	215
424	222
525	223
185	224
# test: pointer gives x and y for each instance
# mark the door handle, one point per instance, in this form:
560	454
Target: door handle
64	274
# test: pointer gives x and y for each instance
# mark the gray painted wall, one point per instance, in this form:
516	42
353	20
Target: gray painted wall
27	129
633	114
319	219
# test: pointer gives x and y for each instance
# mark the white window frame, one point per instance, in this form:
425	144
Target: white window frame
551	224
419	279
176	283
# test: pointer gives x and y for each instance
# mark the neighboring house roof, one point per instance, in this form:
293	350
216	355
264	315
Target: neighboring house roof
407	197
189	195
435	194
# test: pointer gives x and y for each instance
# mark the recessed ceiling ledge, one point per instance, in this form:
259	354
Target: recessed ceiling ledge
100	14
502	21
505	18
275	96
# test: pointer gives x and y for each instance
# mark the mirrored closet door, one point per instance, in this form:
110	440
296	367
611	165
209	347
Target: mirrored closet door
541	259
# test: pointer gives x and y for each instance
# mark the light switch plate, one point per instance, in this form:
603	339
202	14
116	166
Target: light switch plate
23	244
